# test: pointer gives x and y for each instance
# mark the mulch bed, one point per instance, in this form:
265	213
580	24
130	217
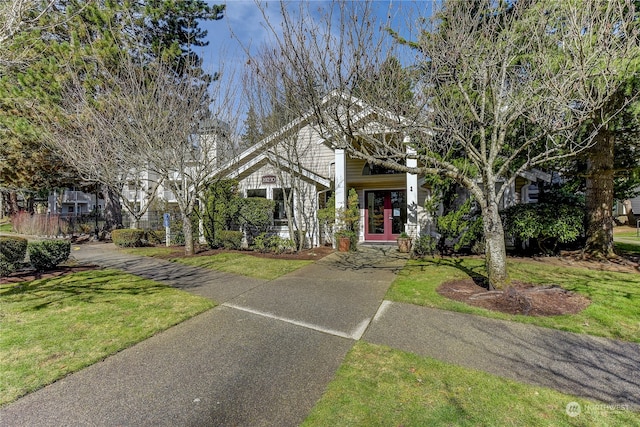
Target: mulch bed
519	298
308	254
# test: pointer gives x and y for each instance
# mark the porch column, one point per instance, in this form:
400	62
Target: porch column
412	227
340	179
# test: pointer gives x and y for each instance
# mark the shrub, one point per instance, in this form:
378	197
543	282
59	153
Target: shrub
155	236
424	245
128	237
546	223
265	242
229	239
12	249
6	268
221	209
256	214
461	227
46	254
12	252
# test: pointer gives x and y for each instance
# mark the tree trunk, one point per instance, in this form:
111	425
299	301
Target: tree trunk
495	250
187	230
599	196
628	208
112	209
14	208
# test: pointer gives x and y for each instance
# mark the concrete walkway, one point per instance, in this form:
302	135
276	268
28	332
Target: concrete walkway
265	355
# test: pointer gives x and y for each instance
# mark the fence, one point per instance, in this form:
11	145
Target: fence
55	224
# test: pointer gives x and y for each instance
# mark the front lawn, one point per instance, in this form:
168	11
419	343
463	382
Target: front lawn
52	327
379	386
615	297
246	265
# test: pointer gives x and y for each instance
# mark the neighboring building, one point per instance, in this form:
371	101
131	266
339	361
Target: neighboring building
73	202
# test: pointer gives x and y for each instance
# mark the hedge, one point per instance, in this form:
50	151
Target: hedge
128	237
47	254
12	252
229	239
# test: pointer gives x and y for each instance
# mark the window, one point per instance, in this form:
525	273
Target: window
261	192
370	169
280	211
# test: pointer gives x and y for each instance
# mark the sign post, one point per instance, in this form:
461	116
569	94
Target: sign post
167	229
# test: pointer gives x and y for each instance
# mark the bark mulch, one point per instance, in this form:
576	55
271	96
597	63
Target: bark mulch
519	298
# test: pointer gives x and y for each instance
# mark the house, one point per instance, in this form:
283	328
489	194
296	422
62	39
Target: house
300	163
300	169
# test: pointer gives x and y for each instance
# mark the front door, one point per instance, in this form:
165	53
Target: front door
385	214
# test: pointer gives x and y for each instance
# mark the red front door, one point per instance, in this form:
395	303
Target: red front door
385	214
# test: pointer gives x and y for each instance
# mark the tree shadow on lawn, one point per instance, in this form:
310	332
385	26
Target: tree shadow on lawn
473	272
87	286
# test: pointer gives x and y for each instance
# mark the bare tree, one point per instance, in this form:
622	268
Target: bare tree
292	152
151	129
500	88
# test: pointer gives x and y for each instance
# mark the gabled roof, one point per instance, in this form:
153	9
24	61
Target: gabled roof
258	150
268	157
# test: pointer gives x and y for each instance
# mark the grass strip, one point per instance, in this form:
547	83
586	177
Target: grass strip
379	386
245	265
52	327
615	297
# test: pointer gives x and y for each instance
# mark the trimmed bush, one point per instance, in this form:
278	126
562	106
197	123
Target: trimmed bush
156	237
6	268
265	242
47	254
229	239
423	246
12	249
256	214
128	237
12	252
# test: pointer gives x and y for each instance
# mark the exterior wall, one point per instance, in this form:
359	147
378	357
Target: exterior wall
309	151
305	198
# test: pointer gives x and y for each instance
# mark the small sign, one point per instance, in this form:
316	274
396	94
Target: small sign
269	179
166	220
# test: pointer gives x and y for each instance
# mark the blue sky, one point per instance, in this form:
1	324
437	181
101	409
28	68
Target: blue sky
243	26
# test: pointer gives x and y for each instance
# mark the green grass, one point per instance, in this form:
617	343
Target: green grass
615	297
246	265
51	327
6	227
379	386
625	247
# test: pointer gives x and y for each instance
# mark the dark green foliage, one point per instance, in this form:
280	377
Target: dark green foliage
228	239
462	227
13	249
558	217
256	215
222	209
348	219
128	237
423	246
47	254
155	237
12	252
266	242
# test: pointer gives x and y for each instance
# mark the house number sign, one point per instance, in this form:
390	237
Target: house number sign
269	179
